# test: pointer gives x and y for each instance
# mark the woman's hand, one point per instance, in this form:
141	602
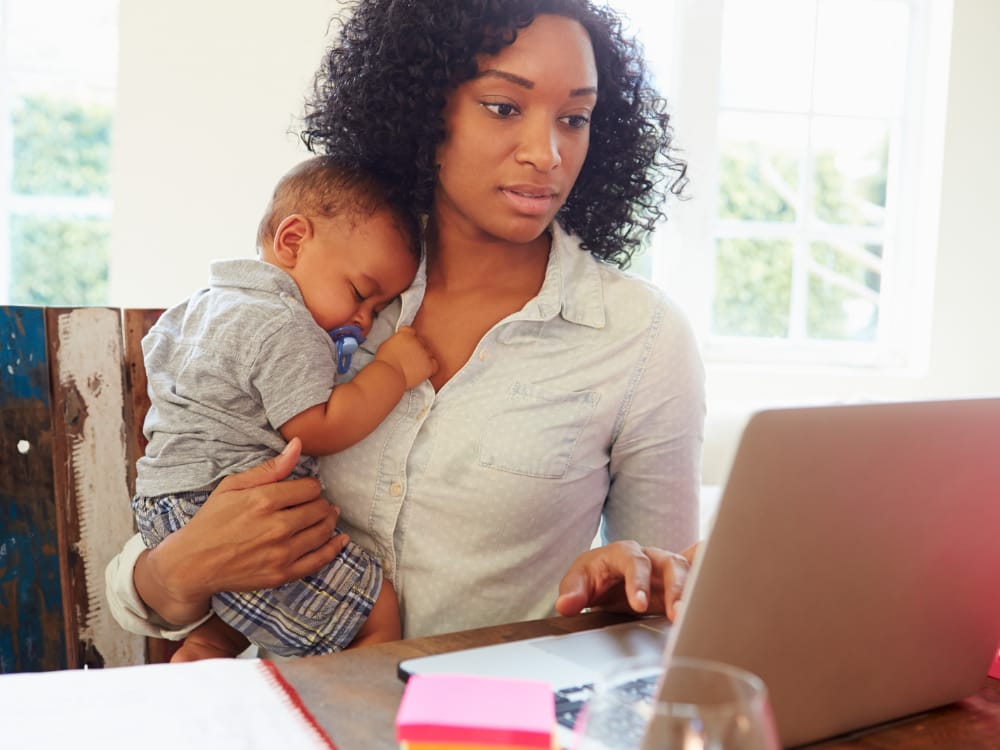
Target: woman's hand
626	577
254	531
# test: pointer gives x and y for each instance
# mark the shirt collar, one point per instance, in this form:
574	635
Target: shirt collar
572	286
413	296
246	273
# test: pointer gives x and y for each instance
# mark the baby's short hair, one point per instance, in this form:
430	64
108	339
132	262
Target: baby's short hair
323	186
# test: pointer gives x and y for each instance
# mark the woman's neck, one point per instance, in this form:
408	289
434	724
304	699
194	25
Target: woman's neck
457	262
472	284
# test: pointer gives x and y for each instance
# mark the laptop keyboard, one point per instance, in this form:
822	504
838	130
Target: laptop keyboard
570	700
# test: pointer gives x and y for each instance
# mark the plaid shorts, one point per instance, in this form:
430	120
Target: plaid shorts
317	614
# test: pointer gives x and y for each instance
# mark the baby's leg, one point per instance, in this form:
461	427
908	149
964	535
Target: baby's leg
213	639
318	614
383	623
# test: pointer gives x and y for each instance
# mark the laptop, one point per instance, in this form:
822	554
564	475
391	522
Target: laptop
853	565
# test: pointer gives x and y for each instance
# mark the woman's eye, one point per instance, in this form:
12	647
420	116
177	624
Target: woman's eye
501	109
576	121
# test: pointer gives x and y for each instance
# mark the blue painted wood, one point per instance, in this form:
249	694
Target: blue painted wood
32	624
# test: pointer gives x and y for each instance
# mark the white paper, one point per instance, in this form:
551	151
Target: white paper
217	703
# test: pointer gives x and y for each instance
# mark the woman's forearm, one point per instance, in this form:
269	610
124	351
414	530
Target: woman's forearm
254	531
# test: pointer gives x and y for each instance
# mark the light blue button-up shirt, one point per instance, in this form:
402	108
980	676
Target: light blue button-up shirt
587	404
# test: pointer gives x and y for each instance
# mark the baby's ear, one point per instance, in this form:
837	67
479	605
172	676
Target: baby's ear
292	233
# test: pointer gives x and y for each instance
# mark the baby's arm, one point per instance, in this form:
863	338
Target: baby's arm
356	408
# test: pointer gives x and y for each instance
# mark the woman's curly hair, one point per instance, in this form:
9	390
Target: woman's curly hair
380	94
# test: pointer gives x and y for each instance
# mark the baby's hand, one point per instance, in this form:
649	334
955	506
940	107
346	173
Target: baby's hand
408	353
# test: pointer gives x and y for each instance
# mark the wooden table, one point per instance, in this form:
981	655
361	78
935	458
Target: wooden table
354	694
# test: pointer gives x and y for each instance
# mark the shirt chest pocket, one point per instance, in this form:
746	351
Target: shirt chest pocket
536	430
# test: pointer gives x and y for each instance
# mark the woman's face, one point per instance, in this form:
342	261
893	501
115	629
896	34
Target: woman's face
517	134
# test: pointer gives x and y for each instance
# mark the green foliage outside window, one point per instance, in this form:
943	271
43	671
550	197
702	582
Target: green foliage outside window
753	288
839	201
62	150
753	276
59	261
835	310
753	181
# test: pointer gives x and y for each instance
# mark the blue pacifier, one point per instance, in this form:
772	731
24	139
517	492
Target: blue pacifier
347	339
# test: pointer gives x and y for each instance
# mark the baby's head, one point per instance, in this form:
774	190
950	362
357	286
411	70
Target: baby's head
333	229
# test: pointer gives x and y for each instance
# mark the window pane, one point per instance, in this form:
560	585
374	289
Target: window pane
59	261
866	75
767	51
759	170
61	147
844	284
850	169
753	288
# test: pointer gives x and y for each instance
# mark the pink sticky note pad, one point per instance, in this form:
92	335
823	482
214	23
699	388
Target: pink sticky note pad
995	669
478	710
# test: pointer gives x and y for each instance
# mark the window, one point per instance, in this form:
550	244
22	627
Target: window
813	129
58	61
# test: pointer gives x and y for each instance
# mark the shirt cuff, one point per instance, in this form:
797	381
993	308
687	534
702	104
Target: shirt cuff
127	607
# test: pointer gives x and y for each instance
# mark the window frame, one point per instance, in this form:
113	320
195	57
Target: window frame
683	249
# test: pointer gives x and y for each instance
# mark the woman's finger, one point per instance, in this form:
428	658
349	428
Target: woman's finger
272	470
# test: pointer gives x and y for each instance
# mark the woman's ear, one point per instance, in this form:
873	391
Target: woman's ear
292	233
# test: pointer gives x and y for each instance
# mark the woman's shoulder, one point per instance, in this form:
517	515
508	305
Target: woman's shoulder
625	292
623	284
620	288
634	302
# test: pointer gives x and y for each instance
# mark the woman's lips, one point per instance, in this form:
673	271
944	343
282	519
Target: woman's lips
530	201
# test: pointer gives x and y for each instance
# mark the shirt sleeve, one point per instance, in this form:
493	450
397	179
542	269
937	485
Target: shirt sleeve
127	606
295	370
656	454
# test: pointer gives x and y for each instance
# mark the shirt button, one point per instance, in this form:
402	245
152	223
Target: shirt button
395	489
422	413
484	354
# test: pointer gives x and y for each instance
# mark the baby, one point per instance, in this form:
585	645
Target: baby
249	363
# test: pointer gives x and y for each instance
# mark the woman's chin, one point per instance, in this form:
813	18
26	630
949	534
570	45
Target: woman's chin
524	230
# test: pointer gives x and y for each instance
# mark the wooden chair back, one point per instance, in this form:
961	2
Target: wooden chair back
72	402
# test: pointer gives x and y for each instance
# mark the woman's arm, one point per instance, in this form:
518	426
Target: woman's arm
254	531
652	503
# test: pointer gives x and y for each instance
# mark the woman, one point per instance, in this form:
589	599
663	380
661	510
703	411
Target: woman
567	394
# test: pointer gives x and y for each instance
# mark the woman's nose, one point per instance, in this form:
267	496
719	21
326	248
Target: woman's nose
540	146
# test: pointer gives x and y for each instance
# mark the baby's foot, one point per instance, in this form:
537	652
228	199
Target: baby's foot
194	650
211	640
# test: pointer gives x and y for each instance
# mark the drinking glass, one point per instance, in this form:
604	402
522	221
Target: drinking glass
692	704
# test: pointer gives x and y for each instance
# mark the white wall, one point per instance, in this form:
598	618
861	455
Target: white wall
208	97
209	91
965	357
